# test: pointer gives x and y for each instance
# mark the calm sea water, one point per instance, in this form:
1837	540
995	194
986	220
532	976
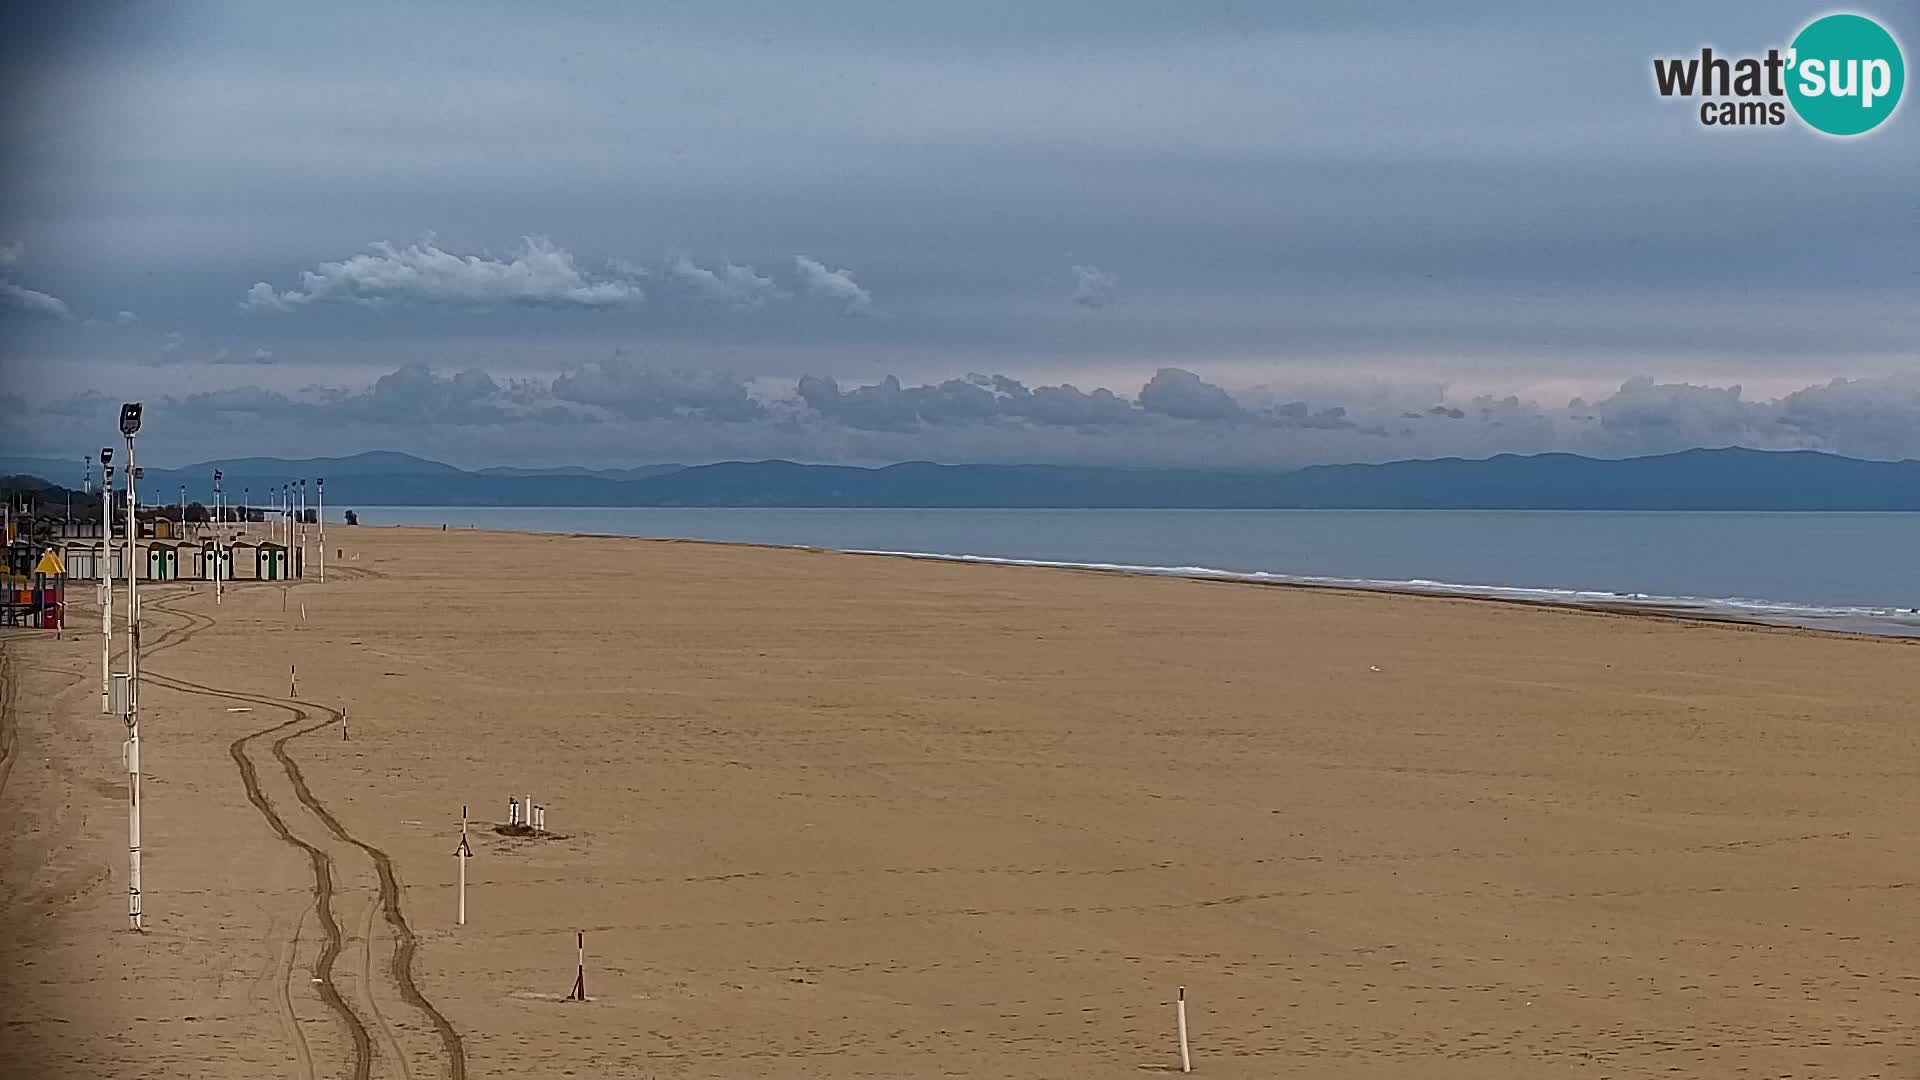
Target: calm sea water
1837	571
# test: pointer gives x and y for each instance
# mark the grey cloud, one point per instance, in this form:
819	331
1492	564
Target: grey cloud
257	356
976	399
622	411
626	387
836	285
539	274
126	318
416	394
1877	418
1093	287
734	285
1667	414
1180	393
1064	405
34	302
19	297
236	399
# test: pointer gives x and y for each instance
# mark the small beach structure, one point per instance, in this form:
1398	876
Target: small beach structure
211	555
270	562
245	555
163	561
85	561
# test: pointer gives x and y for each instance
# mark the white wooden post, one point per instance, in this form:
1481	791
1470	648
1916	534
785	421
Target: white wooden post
1186	1060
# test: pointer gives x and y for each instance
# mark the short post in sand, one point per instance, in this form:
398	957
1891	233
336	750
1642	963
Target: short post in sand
293	686
345	735
579	991
320	493
1180	1013
513	810
463	853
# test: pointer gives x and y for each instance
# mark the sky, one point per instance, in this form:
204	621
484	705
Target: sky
1236	234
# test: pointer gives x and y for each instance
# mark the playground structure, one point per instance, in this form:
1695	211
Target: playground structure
34	587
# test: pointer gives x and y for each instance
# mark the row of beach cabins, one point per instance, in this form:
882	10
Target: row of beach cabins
191	560
164	555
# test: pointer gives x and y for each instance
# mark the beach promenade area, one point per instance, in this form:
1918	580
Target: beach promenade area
822	815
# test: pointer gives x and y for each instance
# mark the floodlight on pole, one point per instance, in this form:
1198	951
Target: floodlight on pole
136	919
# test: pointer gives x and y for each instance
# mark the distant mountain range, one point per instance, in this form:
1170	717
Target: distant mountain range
1727	479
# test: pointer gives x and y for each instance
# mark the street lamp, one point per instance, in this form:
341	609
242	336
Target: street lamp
136	920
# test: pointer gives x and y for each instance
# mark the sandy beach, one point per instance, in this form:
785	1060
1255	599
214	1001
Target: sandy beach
823	815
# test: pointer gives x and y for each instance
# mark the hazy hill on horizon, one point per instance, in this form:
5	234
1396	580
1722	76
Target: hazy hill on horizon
1704	479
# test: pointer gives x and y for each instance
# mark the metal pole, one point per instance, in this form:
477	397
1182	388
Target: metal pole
107	552
136	920
219	530
320	492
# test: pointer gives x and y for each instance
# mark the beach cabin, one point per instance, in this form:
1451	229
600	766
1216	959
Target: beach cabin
243	555
163	562
211	555
84	562
76	529
270	562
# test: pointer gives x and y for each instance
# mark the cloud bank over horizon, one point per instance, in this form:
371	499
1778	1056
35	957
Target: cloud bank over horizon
621	411
1115	232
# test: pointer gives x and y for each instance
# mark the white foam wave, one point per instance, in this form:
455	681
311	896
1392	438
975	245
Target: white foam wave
1875	619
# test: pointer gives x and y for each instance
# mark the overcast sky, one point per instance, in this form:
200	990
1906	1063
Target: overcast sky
1244	233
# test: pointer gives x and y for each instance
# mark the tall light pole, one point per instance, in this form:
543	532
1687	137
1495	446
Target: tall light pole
219	531
300	528
107	551
129	426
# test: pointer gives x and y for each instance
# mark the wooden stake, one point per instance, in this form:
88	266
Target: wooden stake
579	991
463	853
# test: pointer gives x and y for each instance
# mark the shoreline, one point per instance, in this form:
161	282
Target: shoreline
1668	608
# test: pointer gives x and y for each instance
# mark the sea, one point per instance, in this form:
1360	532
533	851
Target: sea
1857	572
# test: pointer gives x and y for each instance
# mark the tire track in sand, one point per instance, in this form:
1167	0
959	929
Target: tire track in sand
400	965
317	860
322	866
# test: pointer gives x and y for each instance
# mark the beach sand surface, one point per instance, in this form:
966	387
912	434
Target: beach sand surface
822	815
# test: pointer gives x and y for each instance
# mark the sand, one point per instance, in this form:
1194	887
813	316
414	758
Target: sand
841	816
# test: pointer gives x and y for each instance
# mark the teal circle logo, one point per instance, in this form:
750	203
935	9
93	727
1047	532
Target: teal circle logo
1845	74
